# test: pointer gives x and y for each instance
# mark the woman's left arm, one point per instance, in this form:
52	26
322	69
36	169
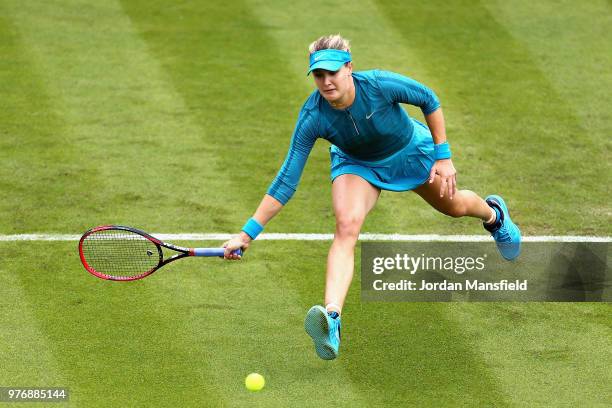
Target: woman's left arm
442	167
401	89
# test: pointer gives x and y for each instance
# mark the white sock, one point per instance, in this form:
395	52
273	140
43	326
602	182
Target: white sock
493	217
333	307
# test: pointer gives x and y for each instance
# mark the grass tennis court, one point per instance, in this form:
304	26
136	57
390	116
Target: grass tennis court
175	117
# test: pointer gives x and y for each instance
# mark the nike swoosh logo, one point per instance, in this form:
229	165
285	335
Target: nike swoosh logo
370	115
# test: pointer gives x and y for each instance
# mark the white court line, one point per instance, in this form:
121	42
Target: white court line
321	237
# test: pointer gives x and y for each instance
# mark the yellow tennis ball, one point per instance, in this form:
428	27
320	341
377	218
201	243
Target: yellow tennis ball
254	382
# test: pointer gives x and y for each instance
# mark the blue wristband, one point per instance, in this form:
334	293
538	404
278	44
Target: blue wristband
442	151
252	228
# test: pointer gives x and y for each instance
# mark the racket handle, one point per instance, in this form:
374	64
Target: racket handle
212	252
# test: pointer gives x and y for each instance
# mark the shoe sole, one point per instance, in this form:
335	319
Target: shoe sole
317	327
502	204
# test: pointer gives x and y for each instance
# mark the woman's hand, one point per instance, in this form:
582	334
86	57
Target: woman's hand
445	169
240	241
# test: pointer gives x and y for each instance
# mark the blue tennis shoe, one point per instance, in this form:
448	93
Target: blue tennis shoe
506	234
325	332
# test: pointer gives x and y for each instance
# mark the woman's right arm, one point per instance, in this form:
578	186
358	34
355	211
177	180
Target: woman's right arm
283	186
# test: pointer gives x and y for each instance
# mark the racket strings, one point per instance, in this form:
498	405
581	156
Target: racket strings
120	253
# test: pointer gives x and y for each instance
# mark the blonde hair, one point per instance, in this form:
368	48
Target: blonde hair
333	41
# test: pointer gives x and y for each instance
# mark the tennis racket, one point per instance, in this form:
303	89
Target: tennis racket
116	252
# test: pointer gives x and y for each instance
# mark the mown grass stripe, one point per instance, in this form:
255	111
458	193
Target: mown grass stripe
572	46
28	125
42	173
26	351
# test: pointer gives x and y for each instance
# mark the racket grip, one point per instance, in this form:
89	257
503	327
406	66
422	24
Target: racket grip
213	252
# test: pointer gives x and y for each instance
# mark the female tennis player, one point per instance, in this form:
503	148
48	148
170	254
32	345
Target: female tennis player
375	146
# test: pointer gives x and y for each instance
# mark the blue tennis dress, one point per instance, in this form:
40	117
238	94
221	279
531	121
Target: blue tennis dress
373	138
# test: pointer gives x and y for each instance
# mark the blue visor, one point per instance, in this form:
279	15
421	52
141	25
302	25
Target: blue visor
329	60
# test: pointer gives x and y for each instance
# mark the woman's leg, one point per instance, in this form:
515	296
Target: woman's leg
506	234
464	203
353	198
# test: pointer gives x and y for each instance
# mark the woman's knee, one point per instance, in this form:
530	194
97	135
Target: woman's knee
349	224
